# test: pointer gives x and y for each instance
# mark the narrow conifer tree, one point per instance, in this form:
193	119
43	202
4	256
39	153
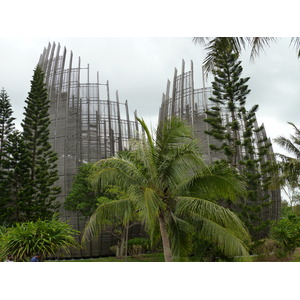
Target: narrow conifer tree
40	192
6	121
6	129
232	126
229	95
17	176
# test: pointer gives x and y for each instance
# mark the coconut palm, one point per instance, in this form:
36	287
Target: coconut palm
292	145
237	44
173	192
290	165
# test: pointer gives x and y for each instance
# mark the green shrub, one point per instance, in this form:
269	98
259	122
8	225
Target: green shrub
265	249
286	233
43	236
138	246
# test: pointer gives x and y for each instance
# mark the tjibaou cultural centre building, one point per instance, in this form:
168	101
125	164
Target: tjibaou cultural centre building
89	123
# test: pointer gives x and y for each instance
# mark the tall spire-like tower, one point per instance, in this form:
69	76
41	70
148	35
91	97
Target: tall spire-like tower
86	123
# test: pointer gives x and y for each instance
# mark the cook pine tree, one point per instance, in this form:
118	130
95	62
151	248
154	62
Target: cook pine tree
39	163
6	129
232	127
18	166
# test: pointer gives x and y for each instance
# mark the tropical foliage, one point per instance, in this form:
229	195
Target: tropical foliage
286	233
138	246
288	208
289	165
82	197
117	224
213	45
173	191
44	237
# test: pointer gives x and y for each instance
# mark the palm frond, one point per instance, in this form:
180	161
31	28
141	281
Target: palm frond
171	133
225	240
180	233
296	129
296	42
214	182
180	167
289	169
190	206
104	213
216	45
148	204
147	151
213	48
146	129
288	165
201	40
258	44
117	171
288	145
177	153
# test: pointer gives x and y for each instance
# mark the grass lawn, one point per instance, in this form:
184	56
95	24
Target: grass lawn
296	255
156	257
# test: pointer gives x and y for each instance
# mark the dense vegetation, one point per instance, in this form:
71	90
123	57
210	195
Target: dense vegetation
173	192
162	183
43	237
27	180
27	163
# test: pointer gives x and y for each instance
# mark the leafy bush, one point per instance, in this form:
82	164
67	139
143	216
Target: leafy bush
286	233
138	246
43	236
265	249
82	197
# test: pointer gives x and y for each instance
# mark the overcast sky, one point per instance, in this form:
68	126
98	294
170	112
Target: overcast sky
139	68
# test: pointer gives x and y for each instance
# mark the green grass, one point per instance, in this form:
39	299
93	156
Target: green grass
296	255
157	257
152	257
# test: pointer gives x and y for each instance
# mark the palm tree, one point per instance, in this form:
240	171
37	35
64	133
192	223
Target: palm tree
292	145
290	165
172	190
237	44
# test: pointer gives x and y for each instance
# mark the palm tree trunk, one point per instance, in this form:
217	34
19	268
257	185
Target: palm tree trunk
165	239
126	240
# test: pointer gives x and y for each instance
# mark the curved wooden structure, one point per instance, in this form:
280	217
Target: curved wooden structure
86	125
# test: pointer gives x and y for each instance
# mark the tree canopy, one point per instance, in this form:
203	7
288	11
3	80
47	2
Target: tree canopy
173	190
213	45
